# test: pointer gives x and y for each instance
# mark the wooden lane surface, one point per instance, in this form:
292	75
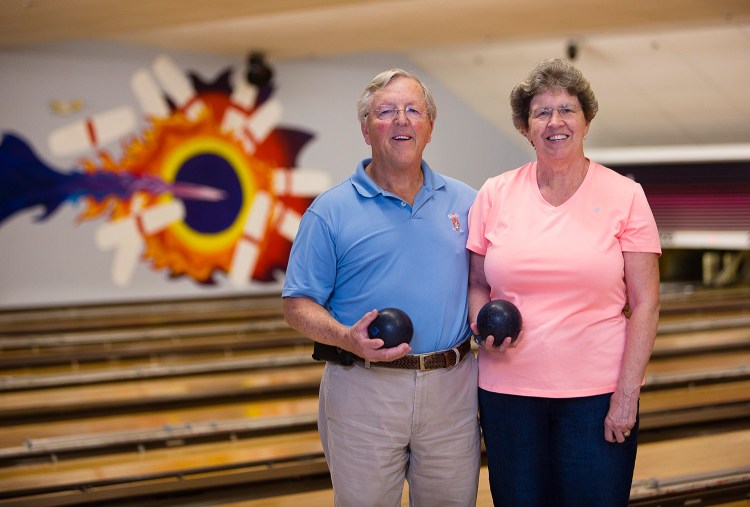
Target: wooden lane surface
165	348
269	353
702	322
661	365
694	396
673	460
172	462
324	498
691	463
74	349
734	361
88	463
71	347
164	389
652	402
704	298
701	341
297	405
159	391
66	348
156	313
670	462
143	313
38	372
704	404
174	335
657	409
83	316
225	383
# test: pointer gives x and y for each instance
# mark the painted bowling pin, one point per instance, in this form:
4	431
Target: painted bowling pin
93	132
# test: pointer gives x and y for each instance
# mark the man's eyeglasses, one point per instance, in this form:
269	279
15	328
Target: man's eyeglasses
545	113
388	113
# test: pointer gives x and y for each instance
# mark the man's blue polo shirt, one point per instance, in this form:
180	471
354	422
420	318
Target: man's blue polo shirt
359	248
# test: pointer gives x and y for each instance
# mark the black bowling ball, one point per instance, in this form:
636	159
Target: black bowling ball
393	326
499	318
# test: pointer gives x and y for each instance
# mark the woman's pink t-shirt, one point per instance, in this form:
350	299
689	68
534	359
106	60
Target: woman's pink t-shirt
563	267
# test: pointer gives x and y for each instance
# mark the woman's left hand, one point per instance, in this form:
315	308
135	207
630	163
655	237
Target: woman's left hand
623	408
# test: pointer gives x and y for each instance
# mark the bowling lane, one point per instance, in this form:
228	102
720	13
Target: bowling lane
682	463
116	315
702	299
694	396
169	332
701	341
155	392
690	463
224	383
659	409
700	321
709	364
253	454
143	363
108	316
16	435
148	404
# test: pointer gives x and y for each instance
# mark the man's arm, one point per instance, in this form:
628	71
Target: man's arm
313	321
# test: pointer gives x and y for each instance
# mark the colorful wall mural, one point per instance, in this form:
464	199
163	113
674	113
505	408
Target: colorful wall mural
208	189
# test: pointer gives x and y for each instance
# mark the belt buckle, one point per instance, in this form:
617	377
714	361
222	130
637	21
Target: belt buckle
458	355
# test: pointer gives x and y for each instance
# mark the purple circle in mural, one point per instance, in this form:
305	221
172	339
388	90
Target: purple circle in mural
213	171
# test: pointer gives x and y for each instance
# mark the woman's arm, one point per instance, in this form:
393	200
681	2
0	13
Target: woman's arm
479	295
642	282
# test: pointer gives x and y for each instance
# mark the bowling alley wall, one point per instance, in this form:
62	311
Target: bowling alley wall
128	173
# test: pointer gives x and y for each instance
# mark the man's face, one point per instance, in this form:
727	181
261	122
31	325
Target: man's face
399	140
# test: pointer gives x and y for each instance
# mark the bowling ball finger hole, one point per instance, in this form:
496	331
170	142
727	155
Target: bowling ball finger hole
393	326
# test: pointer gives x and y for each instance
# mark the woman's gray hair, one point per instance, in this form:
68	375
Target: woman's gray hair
552	74
381	81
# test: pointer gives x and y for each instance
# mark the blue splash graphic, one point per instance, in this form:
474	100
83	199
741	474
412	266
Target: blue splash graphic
26	182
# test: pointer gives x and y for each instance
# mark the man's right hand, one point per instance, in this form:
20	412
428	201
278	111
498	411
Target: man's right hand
360	343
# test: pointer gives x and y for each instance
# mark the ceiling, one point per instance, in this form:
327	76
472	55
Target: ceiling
666	72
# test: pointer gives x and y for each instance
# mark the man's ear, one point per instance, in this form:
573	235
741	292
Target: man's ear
365	131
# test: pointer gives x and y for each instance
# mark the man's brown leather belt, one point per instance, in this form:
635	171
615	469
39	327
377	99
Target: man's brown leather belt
431	361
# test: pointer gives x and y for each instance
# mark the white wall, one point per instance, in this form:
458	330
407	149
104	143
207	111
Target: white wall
56	261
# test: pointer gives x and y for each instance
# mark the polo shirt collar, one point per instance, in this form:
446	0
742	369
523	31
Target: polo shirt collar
368	188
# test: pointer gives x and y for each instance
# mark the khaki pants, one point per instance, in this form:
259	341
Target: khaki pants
380	426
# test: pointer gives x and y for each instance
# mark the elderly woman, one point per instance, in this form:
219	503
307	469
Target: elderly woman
571	243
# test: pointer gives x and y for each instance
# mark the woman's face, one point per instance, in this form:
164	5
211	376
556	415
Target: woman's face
557	124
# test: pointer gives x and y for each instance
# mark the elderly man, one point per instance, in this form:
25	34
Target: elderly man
391	235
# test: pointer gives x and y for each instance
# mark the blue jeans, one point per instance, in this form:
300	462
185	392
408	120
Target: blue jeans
551	452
